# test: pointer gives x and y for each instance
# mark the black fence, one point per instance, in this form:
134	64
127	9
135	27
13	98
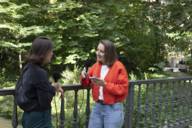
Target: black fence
161	103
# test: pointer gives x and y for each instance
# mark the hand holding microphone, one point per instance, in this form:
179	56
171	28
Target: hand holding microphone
56	77
85	69
84	73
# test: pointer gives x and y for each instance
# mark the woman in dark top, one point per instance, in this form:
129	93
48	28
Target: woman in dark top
36	87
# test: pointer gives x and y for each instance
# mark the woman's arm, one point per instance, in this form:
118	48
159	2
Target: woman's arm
85	80
120	87
45	93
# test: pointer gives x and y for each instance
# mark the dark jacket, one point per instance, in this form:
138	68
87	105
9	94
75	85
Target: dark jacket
37	88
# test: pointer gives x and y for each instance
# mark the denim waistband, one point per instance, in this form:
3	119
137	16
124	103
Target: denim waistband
101	102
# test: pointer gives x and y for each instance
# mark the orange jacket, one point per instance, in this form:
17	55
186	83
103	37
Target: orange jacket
116	82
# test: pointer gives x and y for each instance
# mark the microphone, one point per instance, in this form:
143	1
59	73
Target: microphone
87	64
56	76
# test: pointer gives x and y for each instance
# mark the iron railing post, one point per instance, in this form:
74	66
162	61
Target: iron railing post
14	117
129	107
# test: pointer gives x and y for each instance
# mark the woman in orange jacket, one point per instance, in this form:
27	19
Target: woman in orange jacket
109	81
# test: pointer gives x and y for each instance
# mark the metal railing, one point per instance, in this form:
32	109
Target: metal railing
6	92
159	103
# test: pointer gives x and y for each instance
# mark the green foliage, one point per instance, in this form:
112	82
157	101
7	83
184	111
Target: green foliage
143	32
139	29
6	111
71	76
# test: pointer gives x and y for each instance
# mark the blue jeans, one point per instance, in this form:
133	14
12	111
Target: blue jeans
107	116
37	119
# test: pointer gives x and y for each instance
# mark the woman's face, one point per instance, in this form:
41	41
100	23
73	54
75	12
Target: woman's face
100	53
48	57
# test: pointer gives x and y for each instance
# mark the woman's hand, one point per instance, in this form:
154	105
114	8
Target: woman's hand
84	73
97	81
58	88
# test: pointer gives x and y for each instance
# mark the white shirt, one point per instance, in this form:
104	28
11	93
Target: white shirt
103	73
